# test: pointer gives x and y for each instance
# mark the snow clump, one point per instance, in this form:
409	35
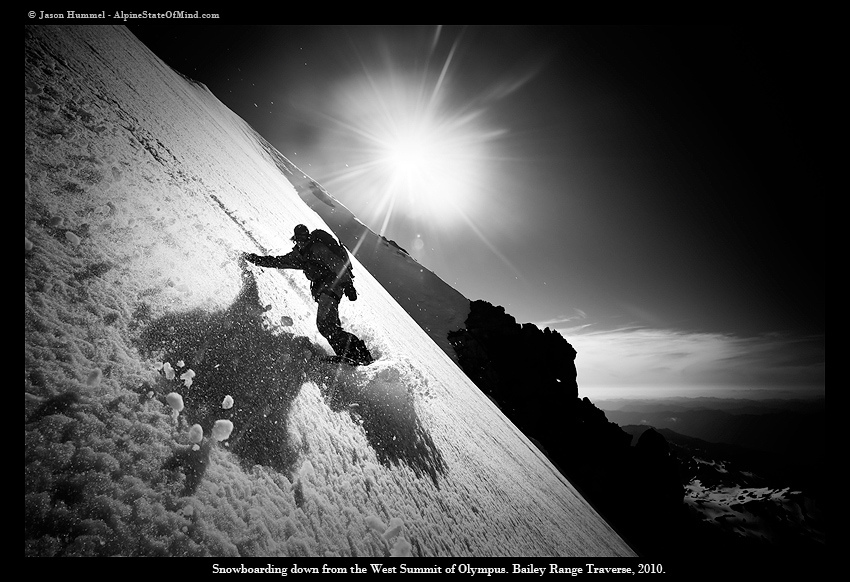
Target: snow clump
72	238
196	433
221	430
391	535
168	371
401	548
175	401
187	377
227	403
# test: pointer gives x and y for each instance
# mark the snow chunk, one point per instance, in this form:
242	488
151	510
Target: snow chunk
196	433
374	522
221	430
227	403
27	244
72	238
401	548
175	401
187	377
393	530
168	371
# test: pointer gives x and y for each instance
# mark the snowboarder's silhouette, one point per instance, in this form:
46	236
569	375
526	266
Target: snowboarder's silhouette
326	265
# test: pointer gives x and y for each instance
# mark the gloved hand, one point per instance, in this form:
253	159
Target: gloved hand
351	293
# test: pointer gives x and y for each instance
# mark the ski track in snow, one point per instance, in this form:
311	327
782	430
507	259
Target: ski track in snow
141	192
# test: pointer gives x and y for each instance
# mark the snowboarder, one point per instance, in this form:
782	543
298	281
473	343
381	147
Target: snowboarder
326	265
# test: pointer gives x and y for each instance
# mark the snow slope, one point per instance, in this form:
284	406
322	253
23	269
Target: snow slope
141	191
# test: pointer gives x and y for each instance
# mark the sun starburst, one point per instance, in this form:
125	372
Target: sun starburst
414	149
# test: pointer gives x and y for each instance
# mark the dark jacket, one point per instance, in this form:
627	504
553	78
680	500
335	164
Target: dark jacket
324	266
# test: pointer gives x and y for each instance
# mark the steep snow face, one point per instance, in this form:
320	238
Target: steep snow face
174	404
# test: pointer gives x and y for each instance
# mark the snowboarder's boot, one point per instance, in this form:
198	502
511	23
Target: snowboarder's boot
358	352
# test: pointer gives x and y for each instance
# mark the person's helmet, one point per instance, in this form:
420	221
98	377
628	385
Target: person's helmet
302	233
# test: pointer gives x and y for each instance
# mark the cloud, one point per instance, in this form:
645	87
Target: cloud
644	362
561	320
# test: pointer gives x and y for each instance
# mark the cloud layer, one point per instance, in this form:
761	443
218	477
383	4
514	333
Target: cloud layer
645	362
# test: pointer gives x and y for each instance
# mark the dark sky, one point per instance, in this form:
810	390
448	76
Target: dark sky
586	177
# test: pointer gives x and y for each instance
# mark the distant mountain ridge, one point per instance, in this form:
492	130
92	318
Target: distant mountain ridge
731	405
795	428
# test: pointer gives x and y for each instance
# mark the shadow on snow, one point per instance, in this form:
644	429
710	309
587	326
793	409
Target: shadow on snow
233	353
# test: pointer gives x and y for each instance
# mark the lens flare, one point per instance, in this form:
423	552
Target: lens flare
419	159
411	136
416	148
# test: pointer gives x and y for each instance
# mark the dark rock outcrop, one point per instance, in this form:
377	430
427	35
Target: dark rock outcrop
531	375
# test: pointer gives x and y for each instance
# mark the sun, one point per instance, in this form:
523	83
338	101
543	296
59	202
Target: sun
427	165
414	147
414	155
409	156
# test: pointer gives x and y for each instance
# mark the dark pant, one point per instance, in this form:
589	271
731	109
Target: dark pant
342	342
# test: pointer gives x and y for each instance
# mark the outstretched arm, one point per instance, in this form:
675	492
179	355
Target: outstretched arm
291	260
